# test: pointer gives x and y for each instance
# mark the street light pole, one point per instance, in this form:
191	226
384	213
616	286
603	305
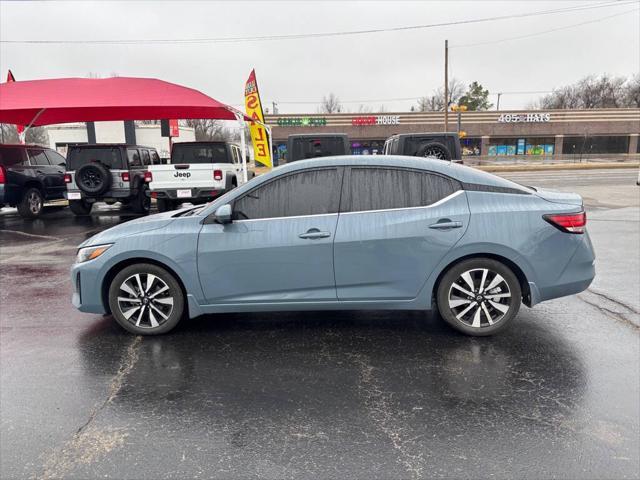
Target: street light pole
498	102
446	85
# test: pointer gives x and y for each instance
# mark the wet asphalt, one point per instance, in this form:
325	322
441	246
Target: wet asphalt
327	394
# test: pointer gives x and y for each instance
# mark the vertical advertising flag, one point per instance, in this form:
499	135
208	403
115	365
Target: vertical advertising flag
258	132
19	128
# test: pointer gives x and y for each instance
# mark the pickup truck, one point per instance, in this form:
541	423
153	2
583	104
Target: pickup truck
198	173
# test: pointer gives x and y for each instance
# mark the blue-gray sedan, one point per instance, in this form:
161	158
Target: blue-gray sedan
366	232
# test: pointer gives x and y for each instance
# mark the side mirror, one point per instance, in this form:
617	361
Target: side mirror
223	214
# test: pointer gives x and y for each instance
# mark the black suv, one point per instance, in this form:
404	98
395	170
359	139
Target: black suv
109	173
443	146
303	146
30	175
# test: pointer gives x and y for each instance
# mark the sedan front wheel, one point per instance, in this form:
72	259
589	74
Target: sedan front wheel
145	299
479	296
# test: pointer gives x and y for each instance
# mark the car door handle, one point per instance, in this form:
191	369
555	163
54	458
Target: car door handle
314	233
445	225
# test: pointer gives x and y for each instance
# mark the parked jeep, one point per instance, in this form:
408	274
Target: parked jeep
109	173
198	173
30	175
443	146
303	146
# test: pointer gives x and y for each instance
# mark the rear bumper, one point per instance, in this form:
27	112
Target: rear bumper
198	193
101	197
577	275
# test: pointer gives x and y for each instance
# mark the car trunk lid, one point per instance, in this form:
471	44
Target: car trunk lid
554	196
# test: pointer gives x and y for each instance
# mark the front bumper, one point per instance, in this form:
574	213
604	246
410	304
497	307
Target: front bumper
87	289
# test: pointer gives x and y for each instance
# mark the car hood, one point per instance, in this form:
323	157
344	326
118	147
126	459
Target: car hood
133	227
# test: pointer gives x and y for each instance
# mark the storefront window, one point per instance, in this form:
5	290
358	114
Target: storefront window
522	146
595	144
367	147
470	146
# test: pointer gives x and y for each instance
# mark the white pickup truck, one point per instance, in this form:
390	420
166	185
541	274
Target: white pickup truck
198	173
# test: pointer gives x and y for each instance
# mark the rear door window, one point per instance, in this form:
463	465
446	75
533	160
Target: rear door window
55	158
313	147
390	188
312	192
109	156
146	159
38	157
155	158
12	156
133	155
205	153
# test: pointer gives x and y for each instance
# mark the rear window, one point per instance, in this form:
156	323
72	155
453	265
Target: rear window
109	156
317	147
214	153
11	156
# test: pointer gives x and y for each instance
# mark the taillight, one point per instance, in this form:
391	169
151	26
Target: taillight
3	177
67	178
124	176
217	174
568	222
148	177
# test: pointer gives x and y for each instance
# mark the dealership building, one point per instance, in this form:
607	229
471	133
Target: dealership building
556	134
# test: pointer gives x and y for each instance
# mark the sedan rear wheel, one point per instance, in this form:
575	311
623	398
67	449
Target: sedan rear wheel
146	299
479	296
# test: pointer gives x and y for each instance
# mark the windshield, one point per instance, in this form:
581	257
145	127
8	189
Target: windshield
209	153
109	156
317	147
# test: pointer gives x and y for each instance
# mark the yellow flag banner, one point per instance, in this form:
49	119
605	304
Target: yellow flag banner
253	106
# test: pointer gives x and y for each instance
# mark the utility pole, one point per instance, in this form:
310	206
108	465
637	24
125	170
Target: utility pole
498	102
446	85
275	108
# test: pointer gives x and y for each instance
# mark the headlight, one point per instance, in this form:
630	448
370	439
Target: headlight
89	253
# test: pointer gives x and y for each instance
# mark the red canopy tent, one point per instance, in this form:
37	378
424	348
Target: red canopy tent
64	100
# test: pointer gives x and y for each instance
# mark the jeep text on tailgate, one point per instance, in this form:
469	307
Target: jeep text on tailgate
198	173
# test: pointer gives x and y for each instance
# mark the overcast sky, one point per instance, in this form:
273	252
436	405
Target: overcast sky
377	66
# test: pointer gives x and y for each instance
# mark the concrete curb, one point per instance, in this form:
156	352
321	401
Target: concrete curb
559	166
532	168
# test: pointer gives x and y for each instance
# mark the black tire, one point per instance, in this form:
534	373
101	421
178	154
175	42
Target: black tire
141	203
31	203
434	150
93	178
159	300
80	207
165	204
470	314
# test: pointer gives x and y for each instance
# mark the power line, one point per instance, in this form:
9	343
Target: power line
321	34
491	42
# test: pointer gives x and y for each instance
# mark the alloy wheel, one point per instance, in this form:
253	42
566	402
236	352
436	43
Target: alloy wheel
479	298
35	202
146	300
435	152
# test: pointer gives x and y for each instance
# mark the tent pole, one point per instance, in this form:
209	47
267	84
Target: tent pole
23	135
243	148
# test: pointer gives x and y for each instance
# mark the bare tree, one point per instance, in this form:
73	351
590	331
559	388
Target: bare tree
592	92
33	135
632	92
435	101
330	104
208	130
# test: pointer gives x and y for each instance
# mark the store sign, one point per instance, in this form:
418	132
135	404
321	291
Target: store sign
302	122
376	120
524	118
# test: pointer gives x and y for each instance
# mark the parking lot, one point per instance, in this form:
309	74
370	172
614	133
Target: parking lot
322	394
